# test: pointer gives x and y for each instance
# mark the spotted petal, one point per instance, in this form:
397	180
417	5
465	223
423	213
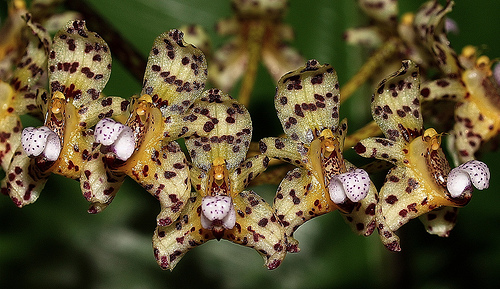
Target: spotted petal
228	65
248	171
31	67
79	64
430	24
283	149
10	126
299	198
443	89
24	181
255	227
175	74
158	165
307	101
396	104
221	128
98	184
385	11
440	221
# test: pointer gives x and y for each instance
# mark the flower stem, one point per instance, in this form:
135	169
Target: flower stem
255	40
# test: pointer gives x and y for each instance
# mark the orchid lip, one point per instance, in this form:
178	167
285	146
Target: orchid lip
353	185
118	137
462	178
41	141
217	210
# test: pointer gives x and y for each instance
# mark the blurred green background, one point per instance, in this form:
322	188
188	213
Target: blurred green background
55	243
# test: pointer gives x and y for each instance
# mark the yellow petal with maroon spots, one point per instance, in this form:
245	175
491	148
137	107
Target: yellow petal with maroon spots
33	63
221	128
175	74
385	11
98	184
307	101
10	126
443	89
248	171
111	106
79	64
380	148
396	104
440	221
300	197
283	149
257	227
162	169
24	180
430	25
171	243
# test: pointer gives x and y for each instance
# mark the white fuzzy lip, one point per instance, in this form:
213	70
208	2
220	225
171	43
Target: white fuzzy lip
217	211
41	141
118	137
461	178
353	185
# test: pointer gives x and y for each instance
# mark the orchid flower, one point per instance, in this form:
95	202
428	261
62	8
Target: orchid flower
20	95
260	34
307	102
421	179
79	66
144	147
469	81
220	207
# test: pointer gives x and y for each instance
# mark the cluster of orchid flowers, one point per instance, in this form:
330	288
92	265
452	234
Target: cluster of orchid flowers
99	140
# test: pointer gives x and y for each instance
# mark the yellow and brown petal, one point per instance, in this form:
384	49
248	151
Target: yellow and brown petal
307	103
75	105
419	182
255	227
220	130
476	114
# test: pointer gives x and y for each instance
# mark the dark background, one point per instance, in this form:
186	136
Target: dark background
55	243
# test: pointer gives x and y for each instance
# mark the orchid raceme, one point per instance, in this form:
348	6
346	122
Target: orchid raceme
307	102
220	208
468	80
79	66
144	147
421	179
259	35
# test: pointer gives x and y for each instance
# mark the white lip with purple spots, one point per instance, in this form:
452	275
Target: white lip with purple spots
118	137
41	141
461	178
217	208
353	185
